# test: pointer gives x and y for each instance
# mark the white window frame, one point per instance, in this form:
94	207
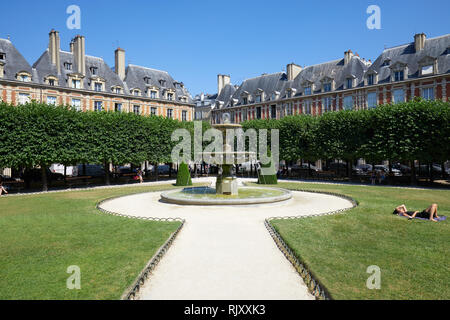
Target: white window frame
51	100
326	104
24	98
348	103
97	104
396	96
76	103
371	102
425	94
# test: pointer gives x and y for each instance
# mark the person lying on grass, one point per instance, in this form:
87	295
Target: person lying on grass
429	213
2	189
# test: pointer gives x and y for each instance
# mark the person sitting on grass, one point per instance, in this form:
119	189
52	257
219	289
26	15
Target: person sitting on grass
430	213
2	189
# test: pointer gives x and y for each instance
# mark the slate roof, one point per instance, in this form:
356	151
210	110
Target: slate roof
14	61
136	79
335	70
438	47
44	68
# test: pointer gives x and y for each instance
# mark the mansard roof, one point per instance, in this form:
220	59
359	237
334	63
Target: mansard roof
335	70
14	61
143	78
268	83
45	68
435	48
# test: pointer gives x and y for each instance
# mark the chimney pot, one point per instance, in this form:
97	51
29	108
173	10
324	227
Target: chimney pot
54	46
419	41
120	63
293	71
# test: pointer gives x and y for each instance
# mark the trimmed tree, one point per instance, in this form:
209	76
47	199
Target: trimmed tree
270	178
183	176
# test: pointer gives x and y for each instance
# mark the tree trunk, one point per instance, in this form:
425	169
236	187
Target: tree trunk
349	169
84	170
413	174
65	173
44	179
443	176
170	170
390	175
156	171
107	177
430	171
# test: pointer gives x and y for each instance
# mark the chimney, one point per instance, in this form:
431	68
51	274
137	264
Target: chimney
419	41
53	49
222	81
79	52
120	63
348	56
293	70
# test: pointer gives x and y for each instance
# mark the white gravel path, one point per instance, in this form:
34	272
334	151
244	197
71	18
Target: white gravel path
225	252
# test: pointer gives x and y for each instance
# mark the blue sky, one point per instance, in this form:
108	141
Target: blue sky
195	40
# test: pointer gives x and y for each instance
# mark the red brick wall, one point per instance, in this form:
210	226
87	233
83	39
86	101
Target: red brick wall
439	92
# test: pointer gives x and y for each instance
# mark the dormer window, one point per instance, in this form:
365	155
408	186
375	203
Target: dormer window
349	83
307	91
170	96
399	75
386	63
98	86
94	71
147	80
370	79
67	66
117	90
23	76
153	94
135	92
51	80
2	56
327	87
162	82
426	70
76	84
258	98
244	100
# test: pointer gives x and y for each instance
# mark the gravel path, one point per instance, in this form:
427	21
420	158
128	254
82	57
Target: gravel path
225	252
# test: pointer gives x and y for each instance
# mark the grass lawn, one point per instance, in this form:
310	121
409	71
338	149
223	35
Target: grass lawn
413	255
41	235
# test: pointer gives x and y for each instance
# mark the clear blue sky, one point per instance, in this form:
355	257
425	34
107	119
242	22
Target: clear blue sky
197	39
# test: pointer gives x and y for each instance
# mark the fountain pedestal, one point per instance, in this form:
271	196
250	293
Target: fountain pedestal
227	186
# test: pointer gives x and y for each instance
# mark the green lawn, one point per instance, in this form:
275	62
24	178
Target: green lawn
41	235
413	255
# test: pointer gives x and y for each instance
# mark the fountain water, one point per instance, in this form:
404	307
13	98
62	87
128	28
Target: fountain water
226	191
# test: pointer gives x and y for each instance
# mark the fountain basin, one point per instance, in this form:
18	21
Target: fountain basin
207	196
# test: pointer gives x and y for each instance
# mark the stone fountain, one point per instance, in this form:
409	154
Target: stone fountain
226	190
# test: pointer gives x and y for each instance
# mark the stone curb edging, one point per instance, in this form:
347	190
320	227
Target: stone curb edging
316	288
132	291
